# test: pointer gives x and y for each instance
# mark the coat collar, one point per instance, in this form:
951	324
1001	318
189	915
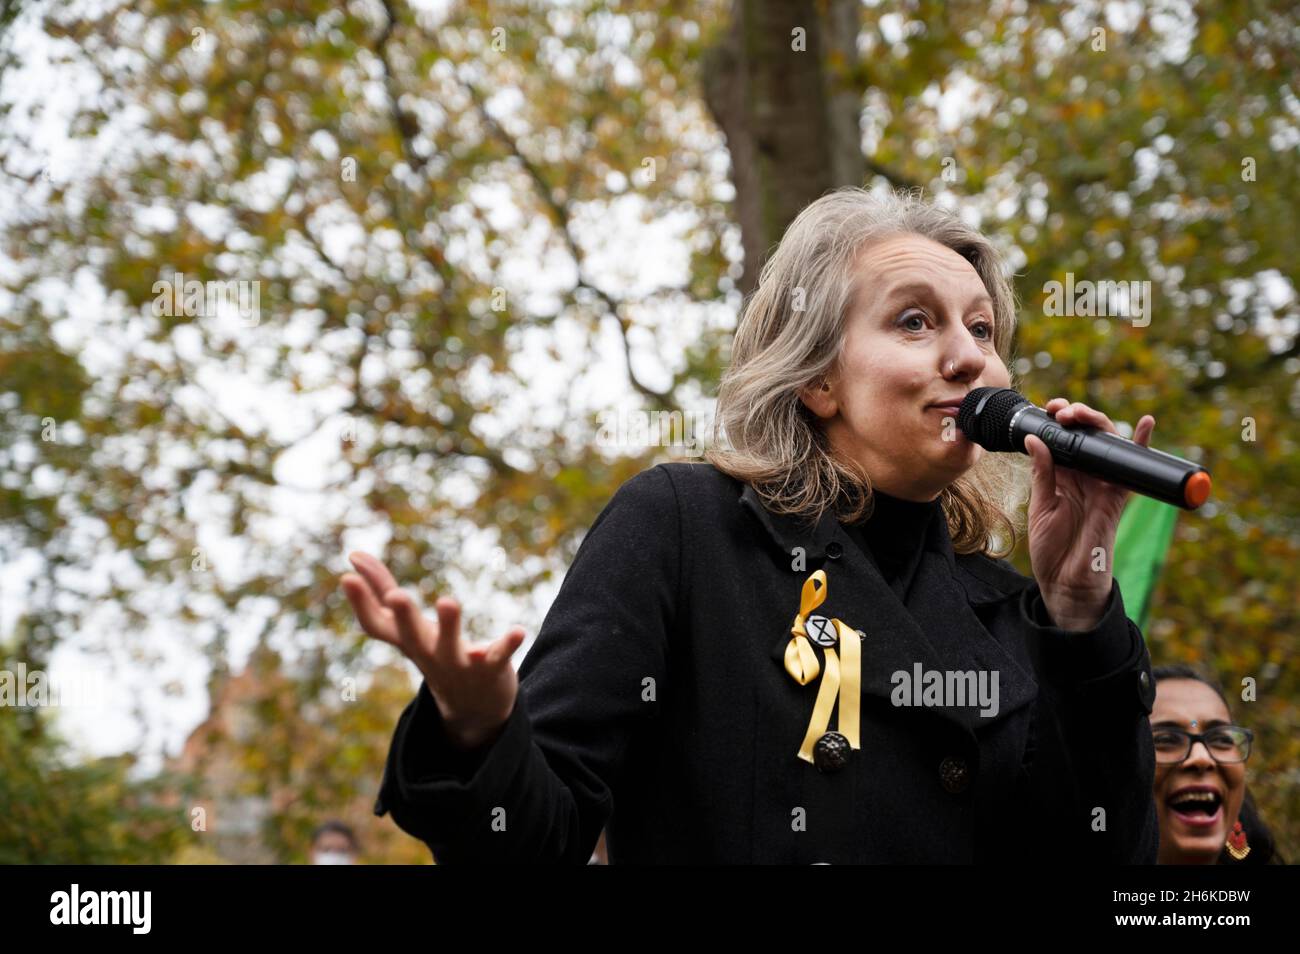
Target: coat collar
939	628
789	531
985	581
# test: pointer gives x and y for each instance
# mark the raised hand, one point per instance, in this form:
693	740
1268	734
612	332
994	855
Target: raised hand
474	686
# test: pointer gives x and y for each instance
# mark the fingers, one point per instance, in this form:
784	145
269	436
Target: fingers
414	635
375	619
1043	486
387	606
388	612
450	647
505	647
374	572
1142	433
1078	414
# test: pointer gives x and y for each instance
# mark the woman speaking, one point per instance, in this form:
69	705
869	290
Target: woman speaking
807	649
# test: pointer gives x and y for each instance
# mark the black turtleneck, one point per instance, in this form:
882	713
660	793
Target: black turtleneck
893	537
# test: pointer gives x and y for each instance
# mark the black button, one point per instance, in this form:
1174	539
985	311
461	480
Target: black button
831	753
954	775
834	550
1146	695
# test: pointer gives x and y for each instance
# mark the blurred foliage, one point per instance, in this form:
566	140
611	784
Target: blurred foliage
82	813
266	743
377	292
56	808
309	748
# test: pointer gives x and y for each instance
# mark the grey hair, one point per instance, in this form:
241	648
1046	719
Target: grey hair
790	336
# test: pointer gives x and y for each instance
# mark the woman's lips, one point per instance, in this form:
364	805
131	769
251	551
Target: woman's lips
948	409
1199	821
1189	805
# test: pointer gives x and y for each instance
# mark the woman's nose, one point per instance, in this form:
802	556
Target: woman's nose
1200	754
965	359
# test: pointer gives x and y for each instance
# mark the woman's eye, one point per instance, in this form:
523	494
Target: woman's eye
988	328
913	316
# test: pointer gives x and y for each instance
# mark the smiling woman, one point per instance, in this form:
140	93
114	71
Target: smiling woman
718	678
1206	813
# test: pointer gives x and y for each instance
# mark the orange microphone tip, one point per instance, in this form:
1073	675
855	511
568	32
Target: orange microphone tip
1197	489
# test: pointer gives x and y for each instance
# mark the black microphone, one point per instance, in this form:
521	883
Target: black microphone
999	419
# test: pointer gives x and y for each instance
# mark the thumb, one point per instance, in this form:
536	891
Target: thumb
1044	477
504	648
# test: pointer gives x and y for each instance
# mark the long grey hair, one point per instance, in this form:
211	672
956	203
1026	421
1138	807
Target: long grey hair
790	336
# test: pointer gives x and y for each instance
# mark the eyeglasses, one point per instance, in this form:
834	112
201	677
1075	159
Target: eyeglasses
1225	743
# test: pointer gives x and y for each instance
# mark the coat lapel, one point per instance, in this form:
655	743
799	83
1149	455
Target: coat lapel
937	629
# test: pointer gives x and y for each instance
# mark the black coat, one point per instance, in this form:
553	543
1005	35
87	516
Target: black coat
655	700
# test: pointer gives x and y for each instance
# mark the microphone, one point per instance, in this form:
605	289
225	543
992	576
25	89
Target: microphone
999	419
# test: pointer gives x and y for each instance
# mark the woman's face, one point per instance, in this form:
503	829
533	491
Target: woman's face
917	339
1193	830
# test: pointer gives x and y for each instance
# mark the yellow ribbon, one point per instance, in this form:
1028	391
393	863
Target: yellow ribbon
843	676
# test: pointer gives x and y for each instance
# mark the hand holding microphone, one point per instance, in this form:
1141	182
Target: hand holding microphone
999	419
1083	473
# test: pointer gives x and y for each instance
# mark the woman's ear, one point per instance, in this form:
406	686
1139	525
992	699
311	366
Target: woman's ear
820	399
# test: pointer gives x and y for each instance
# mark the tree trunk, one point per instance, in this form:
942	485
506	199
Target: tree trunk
791	124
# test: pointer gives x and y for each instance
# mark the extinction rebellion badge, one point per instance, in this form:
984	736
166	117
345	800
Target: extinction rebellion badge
827	749
821	631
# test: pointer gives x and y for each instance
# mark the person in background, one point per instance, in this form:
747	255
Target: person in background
333	844
1206	814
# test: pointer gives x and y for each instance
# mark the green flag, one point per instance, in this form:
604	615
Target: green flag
1141	542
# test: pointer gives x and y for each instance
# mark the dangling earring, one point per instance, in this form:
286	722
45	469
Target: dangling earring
1237	846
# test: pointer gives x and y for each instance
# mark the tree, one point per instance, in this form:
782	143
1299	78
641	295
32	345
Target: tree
57	808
